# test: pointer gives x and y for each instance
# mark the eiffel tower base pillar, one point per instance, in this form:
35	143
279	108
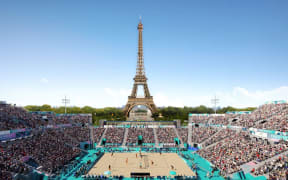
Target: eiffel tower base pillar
132	102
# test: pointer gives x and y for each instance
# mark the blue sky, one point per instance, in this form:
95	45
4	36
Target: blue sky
193	50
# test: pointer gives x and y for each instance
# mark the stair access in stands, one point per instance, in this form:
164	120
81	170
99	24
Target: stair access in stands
73	140
156	138
125	136
103	135
181	142
224	140
189	139
91	132
202	144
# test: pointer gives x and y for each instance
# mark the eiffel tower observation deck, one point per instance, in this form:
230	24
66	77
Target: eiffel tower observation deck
140	79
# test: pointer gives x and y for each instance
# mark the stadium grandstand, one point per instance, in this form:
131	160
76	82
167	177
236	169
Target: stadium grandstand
234	145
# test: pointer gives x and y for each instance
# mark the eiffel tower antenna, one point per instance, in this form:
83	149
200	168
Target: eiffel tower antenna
140	63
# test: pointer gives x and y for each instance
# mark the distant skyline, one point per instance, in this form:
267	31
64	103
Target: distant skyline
193	50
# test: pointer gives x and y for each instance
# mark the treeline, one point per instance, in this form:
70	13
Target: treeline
109	113
229	108
112	113
170	113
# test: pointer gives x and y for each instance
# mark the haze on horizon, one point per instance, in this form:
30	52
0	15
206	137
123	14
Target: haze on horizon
193	50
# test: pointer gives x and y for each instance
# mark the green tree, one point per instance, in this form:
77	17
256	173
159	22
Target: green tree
168	113
46	107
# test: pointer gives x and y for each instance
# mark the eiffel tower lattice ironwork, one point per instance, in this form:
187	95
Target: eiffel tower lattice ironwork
140	80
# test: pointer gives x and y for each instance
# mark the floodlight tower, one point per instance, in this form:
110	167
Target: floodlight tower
215	101
65	101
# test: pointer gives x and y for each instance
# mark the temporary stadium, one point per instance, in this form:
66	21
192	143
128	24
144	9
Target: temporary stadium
235	145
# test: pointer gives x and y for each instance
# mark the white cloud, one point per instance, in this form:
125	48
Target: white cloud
104	97
44	80
241	97
237	97
117	92
160	99
117	97
109	91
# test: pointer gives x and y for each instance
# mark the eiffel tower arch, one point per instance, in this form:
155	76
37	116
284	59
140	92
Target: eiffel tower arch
140	79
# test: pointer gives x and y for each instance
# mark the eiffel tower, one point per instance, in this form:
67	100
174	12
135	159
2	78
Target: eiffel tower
140	80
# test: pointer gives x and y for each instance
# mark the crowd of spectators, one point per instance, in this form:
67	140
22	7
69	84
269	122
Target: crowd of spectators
80	118
268	116
224	120
62	119
222	134
5	175
210	119
114	135
48	149
201	119
166	135
228	149
97	133
244	120
277	121
47	117
81	134
271	116
183	133
10	165
71	119
268	110
146	133
200	134
14	117
277	169
238	149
